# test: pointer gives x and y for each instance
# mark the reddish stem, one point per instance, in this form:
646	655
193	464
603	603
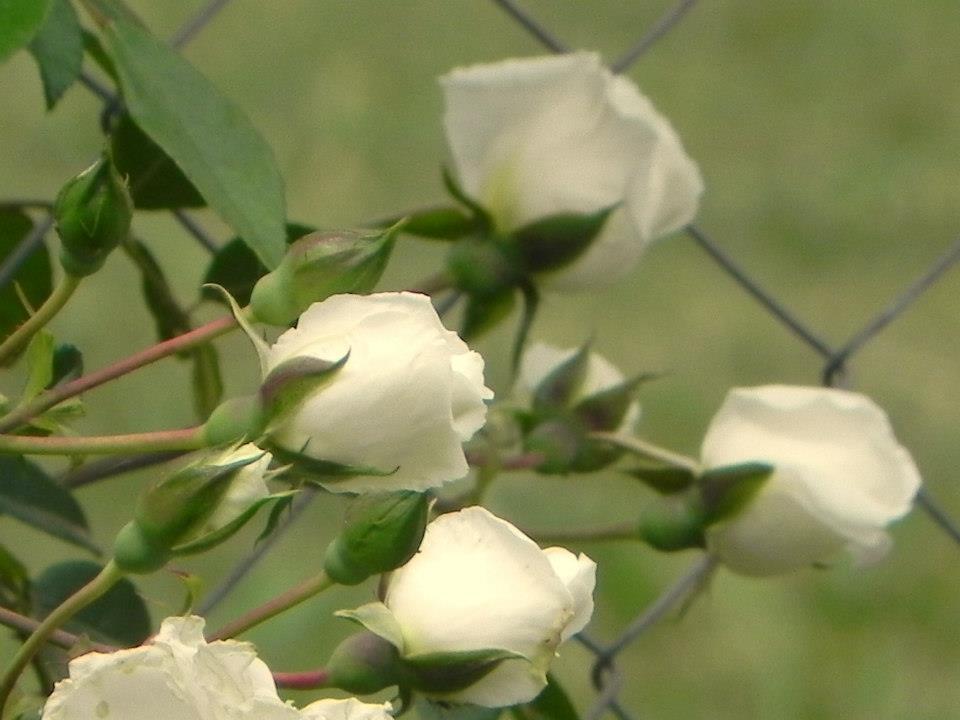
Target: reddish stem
58	394
304	680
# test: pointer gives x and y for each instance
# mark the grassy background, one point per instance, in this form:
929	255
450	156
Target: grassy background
828	134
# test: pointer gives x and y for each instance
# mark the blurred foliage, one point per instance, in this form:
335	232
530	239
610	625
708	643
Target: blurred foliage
828	135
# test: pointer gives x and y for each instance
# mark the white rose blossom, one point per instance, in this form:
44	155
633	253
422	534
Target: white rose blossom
179	676
840	477
540	359
476	584
541	136
409	395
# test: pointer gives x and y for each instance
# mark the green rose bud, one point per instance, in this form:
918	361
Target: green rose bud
319	265
364	663
93	213
383	532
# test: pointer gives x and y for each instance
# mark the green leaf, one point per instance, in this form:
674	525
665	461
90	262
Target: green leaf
39	364
168	316
119	617
445	672
727	490
557	240
558	388
94	48
481	217
606	409
236	267
19	22
551	704
273	518
314	470
67	364
291	382
665	480
377	618
216	537
14	582
28	494
156	183
58	50
209	137
438	223
33	277
483	312
207	381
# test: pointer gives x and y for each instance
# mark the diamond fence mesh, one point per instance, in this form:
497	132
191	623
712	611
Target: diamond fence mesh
836	360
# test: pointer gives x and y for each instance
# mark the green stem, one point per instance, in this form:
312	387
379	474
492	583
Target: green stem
192	438
61	638
44	314
648	450
94	589
46	400
292	597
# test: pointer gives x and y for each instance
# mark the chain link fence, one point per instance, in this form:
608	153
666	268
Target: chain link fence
836	360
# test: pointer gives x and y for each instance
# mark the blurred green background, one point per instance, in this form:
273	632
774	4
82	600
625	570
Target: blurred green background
828	134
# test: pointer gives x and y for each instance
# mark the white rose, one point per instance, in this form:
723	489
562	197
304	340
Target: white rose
541	136
348	709
541	359
840	477
477	584
409	395
177	676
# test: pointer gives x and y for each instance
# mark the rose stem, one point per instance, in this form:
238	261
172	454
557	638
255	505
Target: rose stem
53	396
44	314
186	439
304	680
292	597
648	450
97	587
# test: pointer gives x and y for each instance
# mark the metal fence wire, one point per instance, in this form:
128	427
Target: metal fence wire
607	678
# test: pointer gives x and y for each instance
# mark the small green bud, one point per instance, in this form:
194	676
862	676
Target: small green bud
673	522
319	265
483	267
93	213
134	553
383	532
234	420
364	663
559	441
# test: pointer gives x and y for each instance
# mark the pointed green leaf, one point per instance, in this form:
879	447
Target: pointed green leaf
19	22
209	137
666	480
606	409
207	381
156	182
14	582
221	534
273	519
58	49
727	490
326	471
291	382
558	388
447	672
34	278
483	312
119	617
481	216
555	241
531	301
438	223
94	48
28	494
377	618
39	358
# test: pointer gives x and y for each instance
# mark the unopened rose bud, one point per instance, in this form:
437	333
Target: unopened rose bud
364	663
195	509
383	532
93	213
319	265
